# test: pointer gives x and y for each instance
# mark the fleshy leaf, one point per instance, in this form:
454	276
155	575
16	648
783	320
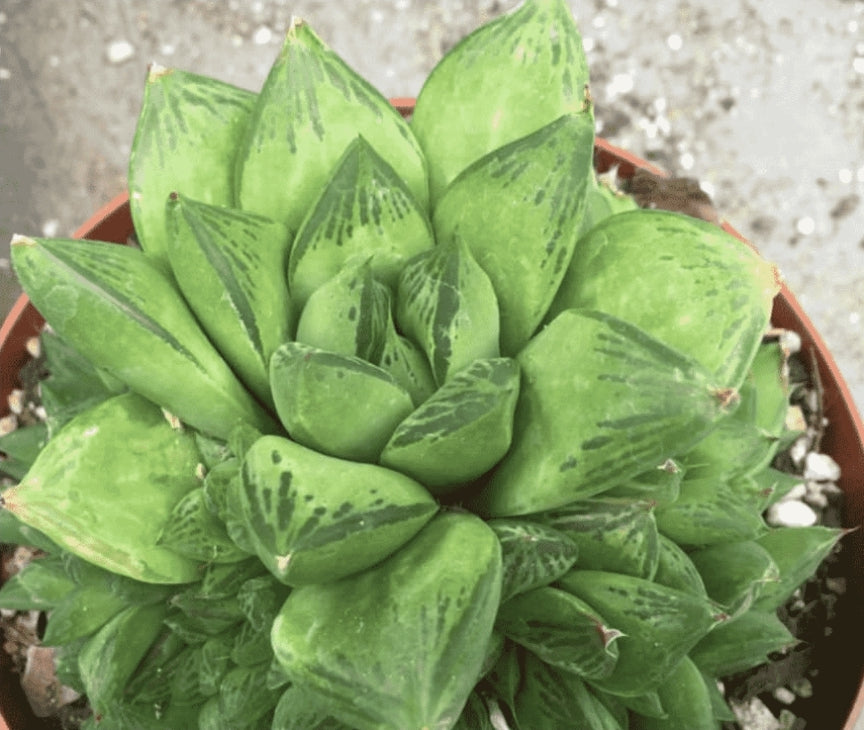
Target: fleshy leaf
97	491
186	141
446	304
660	625
337	404
484	93
461	431
364	213
634	403
561	630
518	209
116	307
409	651
314	518
534	554
618	536
685	279
230	267
311	107
348	314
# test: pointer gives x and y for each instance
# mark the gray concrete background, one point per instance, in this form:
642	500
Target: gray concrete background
762	101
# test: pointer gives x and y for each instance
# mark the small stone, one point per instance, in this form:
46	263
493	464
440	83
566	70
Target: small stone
262	36
34	346
50	228
755	714
8	424
16	401
784	695
790	342
791	513
836	585
802	687
675	42
799	491
821	467
119	51
799	450
815	498
795	420
805	226
39	681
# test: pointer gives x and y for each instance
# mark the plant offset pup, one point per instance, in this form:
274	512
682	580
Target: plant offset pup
401	425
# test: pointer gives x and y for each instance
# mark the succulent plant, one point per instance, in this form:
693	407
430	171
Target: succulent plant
392	424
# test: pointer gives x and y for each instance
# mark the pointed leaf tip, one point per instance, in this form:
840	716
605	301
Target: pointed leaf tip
156	71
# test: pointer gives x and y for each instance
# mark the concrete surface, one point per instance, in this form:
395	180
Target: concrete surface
763	101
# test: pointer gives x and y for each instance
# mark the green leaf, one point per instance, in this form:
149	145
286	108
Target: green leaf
347	314
314	518
685	278
675	569
118	309
640	403
252	646
311	107
742	643
533	554
336	404
364	213
407	364
524	247
73	385
710	511
409	651
797	551
244	698
735	573
660	625
661	485
561	630
152	678
260	600
97	491
185	140
551	699
194	532
297	710
41	585
230	268
686	699
461	431
20	448
483	93
447	305
109	658
618	536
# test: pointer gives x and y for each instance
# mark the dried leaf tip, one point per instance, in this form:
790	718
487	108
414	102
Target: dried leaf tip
19	240
156	71
728	398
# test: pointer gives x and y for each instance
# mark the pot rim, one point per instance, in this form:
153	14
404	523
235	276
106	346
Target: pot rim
844	439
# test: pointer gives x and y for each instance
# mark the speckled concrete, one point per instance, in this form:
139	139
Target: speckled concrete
763	101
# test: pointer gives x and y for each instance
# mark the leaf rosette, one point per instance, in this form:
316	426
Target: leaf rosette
397	424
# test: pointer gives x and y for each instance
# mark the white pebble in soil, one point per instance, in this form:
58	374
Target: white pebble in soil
821	467
119	51
791	513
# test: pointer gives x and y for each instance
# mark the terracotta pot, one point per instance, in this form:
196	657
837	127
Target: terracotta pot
840	700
